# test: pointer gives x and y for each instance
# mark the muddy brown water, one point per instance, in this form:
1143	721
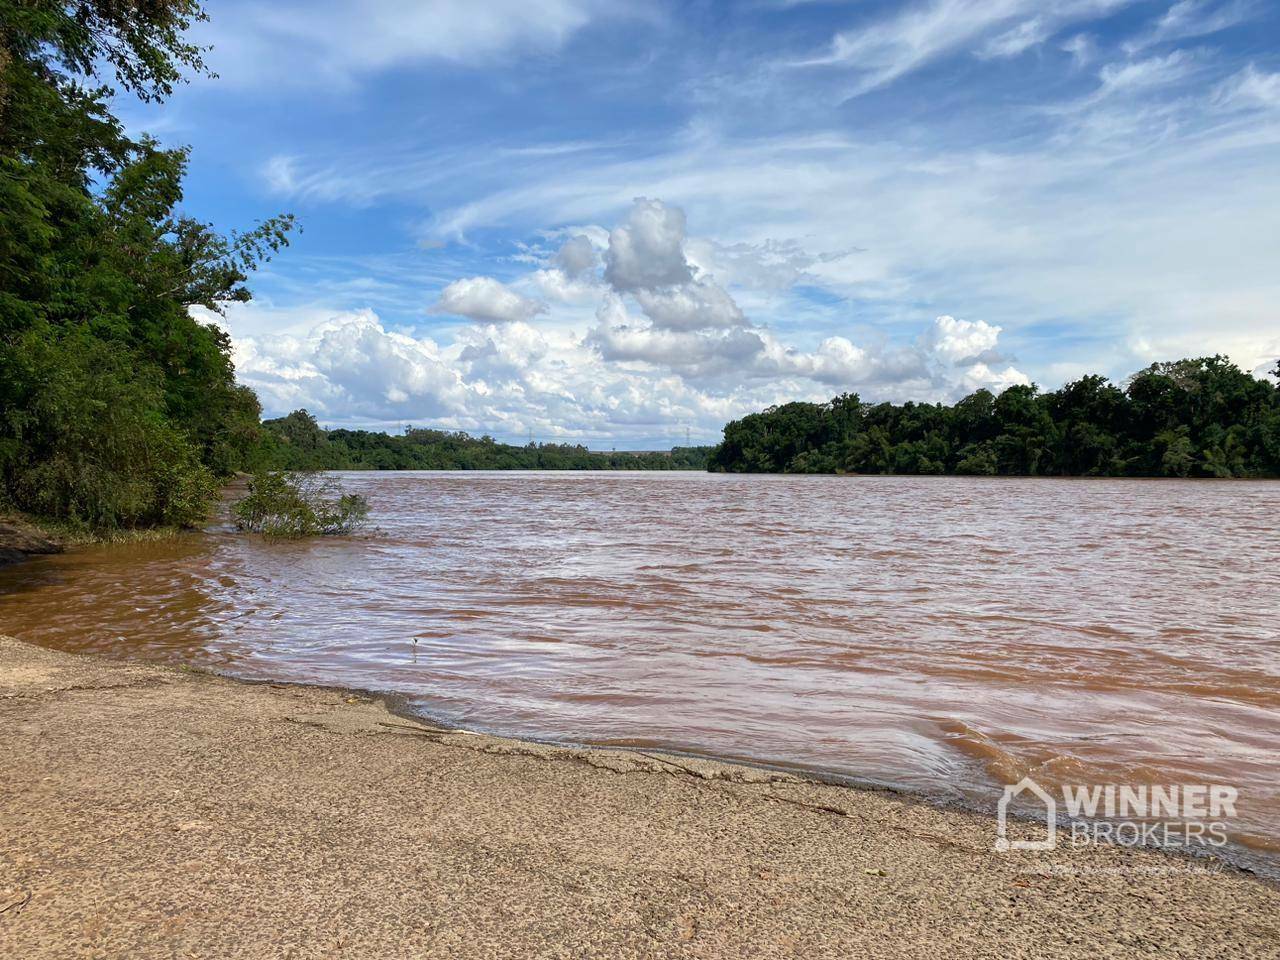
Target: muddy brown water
942	635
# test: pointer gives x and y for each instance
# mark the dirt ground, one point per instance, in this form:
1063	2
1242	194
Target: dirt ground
152	812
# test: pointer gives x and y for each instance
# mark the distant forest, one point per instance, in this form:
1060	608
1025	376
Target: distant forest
1188	418
297	442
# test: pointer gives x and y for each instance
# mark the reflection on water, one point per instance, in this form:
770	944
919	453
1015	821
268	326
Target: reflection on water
941	634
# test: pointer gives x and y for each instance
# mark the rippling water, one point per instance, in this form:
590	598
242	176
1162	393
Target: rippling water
941	634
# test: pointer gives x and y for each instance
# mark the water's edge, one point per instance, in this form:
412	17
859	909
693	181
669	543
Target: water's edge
939	640
1232	858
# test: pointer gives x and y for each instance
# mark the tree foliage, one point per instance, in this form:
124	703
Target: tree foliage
297	442
1189	418
117	407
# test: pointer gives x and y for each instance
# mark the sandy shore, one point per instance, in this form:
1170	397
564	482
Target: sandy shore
153	812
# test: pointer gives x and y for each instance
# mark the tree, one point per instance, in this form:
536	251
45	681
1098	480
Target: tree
98	261
1193	417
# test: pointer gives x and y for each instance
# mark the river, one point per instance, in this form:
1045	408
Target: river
942	635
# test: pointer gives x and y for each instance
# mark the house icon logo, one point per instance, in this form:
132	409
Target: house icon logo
1003	843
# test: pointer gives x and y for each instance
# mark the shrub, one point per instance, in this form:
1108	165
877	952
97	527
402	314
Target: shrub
90	444
282	504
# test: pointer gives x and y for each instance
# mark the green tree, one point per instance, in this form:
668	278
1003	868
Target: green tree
1195	417
99	270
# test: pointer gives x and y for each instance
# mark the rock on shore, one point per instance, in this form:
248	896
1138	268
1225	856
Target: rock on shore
19	540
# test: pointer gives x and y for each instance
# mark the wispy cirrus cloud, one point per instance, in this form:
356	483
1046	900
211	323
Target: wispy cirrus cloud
880	52
332	42
1187	19
1250	89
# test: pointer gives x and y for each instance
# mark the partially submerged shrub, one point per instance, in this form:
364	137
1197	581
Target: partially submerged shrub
283	504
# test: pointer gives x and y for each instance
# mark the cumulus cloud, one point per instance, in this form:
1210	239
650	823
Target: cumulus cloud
697	305
693	326
621	381
960	342
577	257
963	353
695	354
668	347
647	250
350	366
486	300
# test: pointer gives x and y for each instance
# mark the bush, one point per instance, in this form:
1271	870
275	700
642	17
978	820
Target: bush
90	444
282	504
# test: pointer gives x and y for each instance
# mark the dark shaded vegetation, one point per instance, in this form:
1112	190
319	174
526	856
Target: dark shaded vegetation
1189	418
297	442
117	408
286	505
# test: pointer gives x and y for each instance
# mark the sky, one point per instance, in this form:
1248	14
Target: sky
624	223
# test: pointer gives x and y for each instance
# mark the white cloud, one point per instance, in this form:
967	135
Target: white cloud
1140	212
890	48
1138	75
1018	40
1193	18
1251	88
699	331
280	174
648	250
1120	223
577	256
769	265
1082	47
347	367
695	354
557	286
486	300
968	347
960	342
335	41
697	305
692	359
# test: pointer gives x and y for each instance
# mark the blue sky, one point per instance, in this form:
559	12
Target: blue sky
615	221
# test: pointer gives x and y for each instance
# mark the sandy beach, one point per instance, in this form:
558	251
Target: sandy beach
156	812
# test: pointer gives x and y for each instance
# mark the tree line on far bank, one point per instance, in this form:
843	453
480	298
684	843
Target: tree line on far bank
298	442
1200	417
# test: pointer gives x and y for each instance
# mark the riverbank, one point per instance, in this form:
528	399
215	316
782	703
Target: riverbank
20	538
156	812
